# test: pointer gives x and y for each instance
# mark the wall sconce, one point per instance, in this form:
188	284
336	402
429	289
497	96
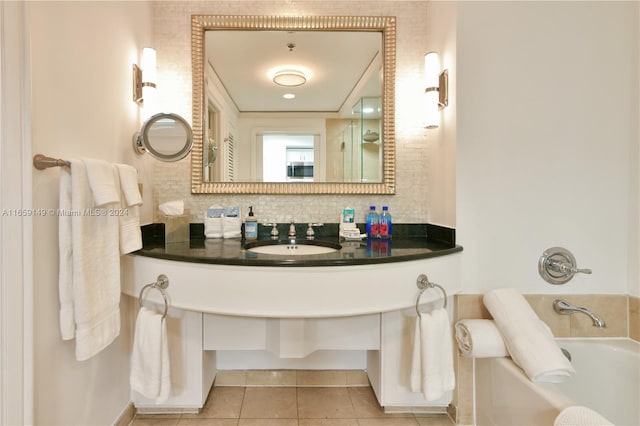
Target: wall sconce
436	89
144	77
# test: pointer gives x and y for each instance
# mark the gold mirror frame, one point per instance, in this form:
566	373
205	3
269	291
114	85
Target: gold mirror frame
385	24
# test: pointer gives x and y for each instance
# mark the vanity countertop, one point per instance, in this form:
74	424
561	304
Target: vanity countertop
403	247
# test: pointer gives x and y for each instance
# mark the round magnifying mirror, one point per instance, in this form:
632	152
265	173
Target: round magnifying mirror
166	136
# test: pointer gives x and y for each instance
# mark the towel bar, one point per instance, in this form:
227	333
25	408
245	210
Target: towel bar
160	285
42	162
423	283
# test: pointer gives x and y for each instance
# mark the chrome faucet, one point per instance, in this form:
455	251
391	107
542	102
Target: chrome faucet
565	308
292	229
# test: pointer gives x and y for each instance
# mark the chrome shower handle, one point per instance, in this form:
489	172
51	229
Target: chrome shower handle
557	266
566	268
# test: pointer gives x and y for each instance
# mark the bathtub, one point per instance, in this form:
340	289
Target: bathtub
607	380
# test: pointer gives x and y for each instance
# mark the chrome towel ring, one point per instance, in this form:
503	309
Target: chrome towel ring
161	284
423	284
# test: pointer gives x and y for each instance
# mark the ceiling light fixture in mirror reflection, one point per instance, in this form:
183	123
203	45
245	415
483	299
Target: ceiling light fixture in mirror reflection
293	105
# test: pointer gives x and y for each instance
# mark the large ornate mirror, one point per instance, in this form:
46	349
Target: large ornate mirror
293	105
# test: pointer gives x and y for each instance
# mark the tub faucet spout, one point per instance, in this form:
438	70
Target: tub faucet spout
565	308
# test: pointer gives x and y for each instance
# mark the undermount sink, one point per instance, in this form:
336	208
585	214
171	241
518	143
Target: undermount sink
292	247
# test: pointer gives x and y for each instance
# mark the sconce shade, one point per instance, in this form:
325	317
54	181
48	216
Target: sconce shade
431	70
144	77
431	111
436	89
148	64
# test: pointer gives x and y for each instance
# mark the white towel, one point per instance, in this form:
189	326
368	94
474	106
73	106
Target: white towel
104	188
65	244
580	416
529	341
150	367
129	213
129	185
479	338
89	277
172	208
432	358
231	227
213	222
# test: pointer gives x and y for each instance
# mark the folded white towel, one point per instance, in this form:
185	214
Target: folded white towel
65	244
104	187
580	416
129	185
172	208
480	338
150	367
213	222
529	341
231	227
89	277
432	357
213	227
129	217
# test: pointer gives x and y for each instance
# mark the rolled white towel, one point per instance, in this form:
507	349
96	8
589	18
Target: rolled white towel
529	341
580	416
480	338
172	208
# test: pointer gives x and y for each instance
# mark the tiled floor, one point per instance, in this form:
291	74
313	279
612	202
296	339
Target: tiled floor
292	406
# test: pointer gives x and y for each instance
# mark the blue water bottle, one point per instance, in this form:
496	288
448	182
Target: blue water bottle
385	223
372	229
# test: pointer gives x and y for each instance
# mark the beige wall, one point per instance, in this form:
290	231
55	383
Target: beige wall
544	157
409	205
81	55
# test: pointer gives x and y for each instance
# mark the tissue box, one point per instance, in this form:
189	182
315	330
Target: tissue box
176	228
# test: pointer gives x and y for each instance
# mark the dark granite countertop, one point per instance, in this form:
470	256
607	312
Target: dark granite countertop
410	242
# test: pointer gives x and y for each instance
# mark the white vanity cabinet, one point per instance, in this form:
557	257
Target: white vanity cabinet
292	316
390	367
192	368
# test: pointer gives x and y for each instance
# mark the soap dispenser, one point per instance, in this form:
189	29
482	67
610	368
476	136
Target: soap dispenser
251	226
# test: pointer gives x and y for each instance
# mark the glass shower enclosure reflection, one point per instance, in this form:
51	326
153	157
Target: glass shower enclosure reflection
362	142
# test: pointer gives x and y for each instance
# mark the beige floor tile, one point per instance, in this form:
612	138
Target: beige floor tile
366	405
271	378
357	378
388	422
324	403
222	403
231	378
155	421
207	422
158	416
268	422
434	420
321	378
328	422
269	403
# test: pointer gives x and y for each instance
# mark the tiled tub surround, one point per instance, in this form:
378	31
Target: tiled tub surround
620	313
